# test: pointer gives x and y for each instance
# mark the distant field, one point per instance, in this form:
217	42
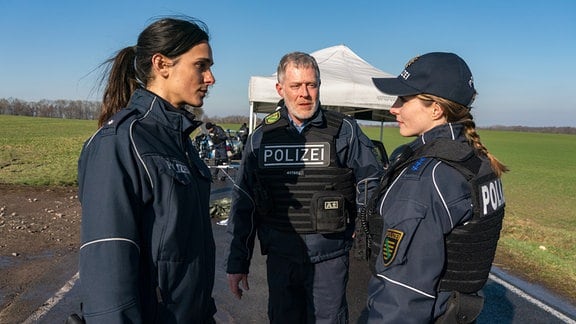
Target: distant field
41	151
539	236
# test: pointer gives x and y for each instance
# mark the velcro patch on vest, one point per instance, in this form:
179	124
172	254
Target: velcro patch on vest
390	245
295	155
272	118
491	196
331	204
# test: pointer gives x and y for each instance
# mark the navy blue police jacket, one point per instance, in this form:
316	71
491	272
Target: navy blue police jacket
420	207
354	151
147	253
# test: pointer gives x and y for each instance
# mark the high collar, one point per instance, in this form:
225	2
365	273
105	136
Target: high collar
452	131
163	112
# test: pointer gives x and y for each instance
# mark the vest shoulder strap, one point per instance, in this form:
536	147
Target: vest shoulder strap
333	123
331	127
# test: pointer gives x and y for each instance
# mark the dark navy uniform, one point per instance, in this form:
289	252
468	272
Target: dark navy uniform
219	139
147	254
299	191
423	208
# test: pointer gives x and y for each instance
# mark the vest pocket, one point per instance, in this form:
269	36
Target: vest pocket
328	212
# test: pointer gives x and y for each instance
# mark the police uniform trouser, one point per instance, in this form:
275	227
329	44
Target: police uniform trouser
306	292
220	157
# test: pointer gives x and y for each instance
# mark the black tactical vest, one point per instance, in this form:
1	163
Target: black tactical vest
300	185
470	247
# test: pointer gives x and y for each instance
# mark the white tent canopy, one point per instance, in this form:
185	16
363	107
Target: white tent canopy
346	86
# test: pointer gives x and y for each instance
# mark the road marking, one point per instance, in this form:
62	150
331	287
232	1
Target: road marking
534	301
52	301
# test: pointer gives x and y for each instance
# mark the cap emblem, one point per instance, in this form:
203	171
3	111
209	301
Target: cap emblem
405	75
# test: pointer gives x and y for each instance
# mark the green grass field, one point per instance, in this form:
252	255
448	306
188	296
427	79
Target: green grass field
538	240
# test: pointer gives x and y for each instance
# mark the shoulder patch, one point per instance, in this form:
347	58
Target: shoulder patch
418	164
390	245
416	168
272	118
119	117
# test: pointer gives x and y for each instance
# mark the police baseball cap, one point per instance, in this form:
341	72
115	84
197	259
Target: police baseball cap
445	75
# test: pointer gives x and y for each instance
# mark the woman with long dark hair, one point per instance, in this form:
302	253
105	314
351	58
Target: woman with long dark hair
147	252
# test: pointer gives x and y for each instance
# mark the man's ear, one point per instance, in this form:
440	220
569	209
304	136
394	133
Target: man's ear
280	90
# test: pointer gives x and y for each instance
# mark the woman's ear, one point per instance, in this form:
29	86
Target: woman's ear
437	111
161	65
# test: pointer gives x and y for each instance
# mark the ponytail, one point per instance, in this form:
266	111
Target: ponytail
121	83
457	113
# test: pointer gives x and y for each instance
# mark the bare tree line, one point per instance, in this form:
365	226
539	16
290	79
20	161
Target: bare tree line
83	109
68	109
551	130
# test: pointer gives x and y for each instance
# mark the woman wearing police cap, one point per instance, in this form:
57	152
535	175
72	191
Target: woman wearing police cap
436	220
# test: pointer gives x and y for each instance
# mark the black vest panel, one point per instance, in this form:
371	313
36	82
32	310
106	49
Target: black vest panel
470	247
302	187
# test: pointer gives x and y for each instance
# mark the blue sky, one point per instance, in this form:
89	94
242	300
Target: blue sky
522	53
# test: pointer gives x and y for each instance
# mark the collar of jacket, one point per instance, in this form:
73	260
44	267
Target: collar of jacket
452	131
163	112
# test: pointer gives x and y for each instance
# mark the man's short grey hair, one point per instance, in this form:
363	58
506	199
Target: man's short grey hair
300	60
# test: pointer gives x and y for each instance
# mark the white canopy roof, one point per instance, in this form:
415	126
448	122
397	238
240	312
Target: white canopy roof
346	87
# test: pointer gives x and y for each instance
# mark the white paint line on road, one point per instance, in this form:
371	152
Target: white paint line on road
52	301
532	300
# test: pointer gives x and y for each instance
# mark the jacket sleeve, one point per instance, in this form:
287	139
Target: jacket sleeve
109	253
242	223
419	209
355	151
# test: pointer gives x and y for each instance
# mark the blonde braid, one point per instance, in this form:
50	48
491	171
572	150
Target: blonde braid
457	113
474	139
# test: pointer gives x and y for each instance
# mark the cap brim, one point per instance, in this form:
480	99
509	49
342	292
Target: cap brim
394	87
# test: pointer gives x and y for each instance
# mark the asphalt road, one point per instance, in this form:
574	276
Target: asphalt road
508	299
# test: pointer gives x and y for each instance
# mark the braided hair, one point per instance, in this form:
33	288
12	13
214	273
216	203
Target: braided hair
457	113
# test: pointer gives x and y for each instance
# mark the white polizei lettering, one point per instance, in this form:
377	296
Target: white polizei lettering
315	154
305	154
500	193
288	159
278	155
267	154
485	199
312	154
492	196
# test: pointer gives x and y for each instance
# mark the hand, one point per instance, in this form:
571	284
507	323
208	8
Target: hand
234	281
